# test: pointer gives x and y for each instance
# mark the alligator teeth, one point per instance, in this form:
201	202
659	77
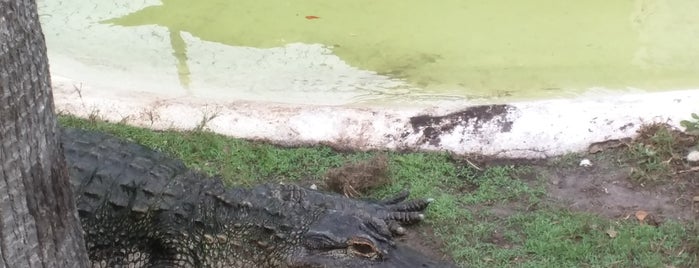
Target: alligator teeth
400	231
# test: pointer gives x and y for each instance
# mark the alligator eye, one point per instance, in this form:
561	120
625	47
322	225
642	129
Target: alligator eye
363	247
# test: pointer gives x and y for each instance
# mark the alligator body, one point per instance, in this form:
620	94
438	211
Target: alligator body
140	208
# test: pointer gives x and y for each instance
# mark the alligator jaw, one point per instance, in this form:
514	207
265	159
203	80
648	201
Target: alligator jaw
402	256
355	239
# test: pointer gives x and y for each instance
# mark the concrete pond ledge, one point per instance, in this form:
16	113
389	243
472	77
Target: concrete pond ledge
531	129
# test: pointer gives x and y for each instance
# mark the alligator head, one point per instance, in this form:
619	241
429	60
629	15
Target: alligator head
341	239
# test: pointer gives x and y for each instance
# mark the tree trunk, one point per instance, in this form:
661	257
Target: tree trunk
39	226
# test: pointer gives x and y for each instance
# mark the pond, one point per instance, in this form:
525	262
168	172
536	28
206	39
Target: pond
375	52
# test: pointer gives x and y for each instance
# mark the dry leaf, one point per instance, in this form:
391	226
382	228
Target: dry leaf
696	198
641	215
611	232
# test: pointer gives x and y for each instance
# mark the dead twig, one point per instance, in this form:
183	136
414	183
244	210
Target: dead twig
473	165
693	169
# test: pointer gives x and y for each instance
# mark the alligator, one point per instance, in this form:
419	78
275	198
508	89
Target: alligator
141	208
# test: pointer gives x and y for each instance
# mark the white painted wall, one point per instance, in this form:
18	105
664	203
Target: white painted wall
524	129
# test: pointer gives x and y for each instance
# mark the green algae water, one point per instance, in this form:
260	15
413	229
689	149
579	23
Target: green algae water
462	49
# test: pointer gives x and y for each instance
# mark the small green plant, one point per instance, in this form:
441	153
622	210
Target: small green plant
205	119
691	126
663	142
652	154
650	166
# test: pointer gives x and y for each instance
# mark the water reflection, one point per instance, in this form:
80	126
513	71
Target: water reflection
179	50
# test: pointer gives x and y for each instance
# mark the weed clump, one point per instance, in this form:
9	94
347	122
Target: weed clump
353	179
657	153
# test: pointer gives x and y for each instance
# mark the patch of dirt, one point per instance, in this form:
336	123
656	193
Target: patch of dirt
422	239
497	238
605	189
610	187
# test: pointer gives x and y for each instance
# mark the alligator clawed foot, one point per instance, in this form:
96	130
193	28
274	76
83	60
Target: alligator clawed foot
400	211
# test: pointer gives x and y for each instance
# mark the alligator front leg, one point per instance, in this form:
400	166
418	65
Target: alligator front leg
394	212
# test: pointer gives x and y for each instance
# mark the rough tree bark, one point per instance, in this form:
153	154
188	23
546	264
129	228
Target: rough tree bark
39	226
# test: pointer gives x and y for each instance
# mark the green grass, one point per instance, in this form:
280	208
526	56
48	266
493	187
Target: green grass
498	217
237	161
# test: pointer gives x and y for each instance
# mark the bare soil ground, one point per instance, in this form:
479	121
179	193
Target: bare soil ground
605	189
618	184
